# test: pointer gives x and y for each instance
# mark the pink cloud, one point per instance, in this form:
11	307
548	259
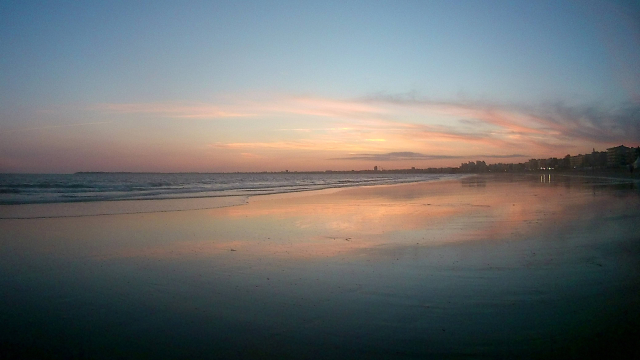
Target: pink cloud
387	124
173	110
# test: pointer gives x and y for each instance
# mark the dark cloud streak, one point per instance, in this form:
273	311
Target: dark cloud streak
592	122
613	125
406	155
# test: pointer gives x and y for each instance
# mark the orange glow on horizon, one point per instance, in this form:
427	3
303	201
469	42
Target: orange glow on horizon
296	133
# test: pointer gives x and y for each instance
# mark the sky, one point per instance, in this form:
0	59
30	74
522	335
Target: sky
205	86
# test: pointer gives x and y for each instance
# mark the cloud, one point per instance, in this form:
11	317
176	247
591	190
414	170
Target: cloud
323	107
172	110
407	155
287	145
54	126
542	124
409	122
500	156
610	125
313	145
251	156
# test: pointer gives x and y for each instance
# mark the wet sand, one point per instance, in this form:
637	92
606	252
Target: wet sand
483	267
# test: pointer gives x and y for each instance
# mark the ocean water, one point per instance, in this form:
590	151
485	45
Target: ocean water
486	267
86	187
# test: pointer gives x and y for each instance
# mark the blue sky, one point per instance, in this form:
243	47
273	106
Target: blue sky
252	86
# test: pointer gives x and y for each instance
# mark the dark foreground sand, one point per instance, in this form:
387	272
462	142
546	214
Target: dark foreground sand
485	267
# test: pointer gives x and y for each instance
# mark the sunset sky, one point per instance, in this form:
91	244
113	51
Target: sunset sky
207	86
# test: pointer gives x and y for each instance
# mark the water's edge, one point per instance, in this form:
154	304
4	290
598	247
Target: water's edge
202	201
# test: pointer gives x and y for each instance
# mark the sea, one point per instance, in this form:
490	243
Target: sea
90	187
522	266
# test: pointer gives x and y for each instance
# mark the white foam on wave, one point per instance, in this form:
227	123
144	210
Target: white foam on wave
53	204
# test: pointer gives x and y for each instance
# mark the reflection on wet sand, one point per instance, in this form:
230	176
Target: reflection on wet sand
483	267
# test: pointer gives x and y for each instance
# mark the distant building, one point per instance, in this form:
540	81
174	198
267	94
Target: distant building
596	160
552	163
619	156
565	163
375	168
577	161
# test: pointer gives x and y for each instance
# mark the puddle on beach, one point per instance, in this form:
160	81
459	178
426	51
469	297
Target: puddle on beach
482	267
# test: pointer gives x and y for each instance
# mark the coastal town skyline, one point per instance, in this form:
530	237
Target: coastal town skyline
616	158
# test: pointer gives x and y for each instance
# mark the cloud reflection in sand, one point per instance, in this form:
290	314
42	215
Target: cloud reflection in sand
498	264
351	221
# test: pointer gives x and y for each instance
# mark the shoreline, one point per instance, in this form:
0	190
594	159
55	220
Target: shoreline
52	210
147	206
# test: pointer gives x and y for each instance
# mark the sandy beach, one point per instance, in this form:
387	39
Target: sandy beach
541	266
